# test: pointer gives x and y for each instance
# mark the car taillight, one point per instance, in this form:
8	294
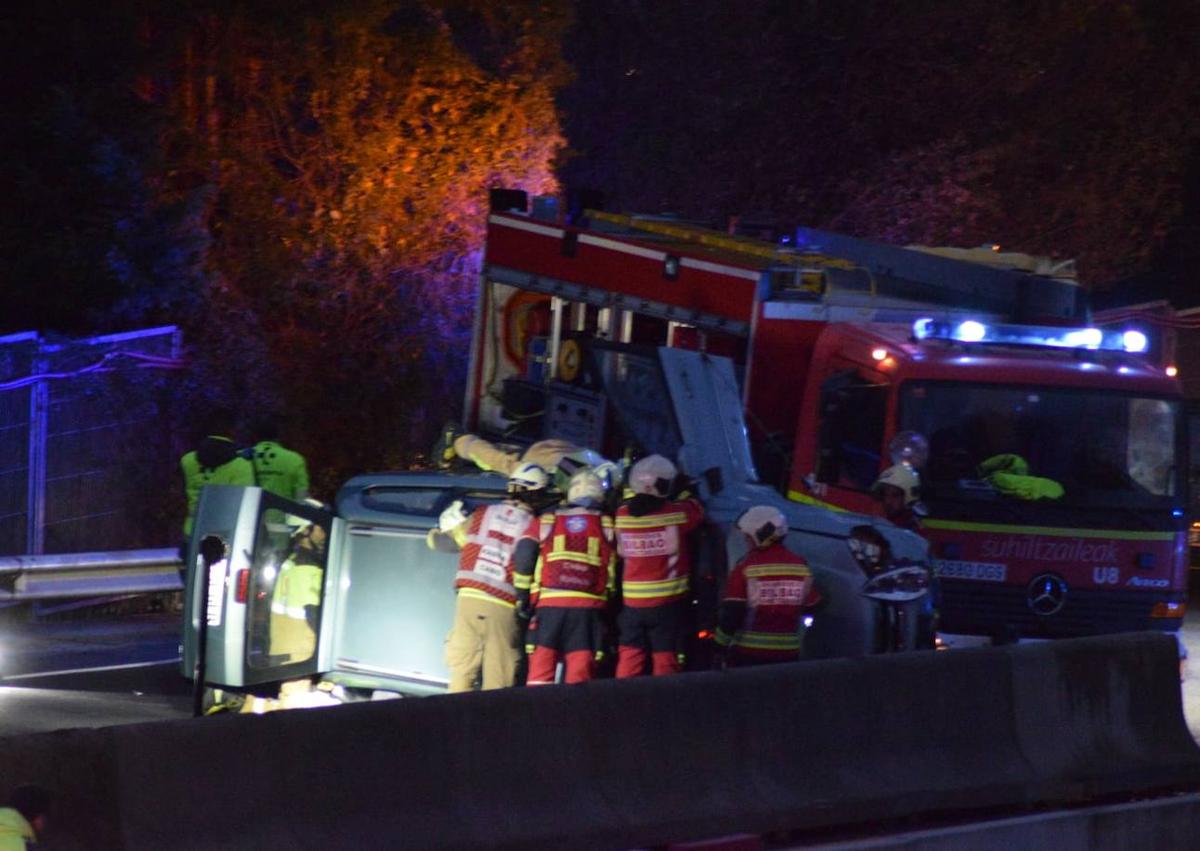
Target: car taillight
1168	610
243	586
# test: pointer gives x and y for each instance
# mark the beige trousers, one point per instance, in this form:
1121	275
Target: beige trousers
484	638
488	456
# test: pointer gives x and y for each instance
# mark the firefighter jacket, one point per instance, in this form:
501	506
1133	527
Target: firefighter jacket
577	568
280	470
297	585
215	461
485	567
763	602
654	548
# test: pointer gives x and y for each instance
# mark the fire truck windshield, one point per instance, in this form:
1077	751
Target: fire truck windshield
1105	449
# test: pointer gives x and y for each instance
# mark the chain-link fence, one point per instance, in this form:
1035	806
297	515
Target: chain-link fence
87	460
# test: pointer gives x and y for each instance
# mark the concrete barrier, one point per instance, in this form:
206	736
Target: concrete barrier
609	764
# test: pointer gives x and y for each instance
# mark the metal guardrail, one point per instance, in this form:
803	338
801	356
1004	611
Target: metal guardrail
66	575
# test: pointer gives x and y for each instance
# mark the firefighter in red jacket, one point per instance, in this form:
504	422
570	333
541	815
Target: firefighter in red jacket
652	532
766	596
573	582
486	633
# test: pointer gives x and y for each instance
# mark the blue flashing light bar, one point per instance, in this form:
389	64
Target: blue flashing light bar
974	331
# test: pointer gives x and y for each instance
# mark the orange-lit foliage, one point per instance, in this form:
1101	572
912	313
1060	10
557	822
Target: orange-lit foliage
353	152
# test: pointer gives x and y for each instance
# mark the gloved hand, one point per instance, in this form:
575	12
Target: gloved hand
452	517
683	486
524	609
311	616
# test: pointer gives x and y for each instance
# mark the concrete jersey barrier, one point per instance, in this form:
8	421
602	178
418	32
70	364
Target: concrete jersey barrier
619	764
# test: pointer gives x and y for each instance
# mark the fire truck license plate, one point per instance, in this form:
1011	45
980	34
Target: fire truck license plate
981	571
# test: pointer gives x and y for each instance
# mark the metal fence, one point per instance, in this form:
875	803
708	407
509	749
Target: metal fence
87	460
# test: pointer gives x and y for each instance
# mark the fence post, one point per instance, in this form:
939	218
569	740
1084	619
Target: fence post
39	395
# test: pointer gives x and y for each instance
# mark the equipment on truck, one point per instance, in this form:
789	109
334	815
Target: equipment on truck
840	345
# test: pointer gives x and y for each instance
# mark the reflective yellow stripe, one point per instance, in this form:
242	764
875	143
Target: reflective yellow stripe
483	595
768	641
594	549
654	588
778	570
722	638
1048	531
676	519
557	594
582	558
522	582
800	496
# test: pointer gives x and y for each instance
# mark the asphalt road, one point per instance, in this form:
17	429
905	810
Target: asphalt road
93	673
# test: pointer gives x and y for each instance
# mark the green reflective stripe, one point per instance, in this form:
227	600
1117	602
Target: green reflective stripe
800	496
768	641
722	638
582	558
635	589
475	593
676	519
1048	531
557	594
522	582
778	570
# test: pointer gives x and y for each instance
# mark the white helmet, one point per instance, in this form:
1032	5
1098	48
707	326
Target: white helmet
653	475
585	490
528	477
763	524
903	477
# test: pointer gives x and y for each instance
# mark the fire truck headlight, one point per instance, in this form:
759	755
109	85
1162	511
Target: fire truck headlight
970	331
1134	341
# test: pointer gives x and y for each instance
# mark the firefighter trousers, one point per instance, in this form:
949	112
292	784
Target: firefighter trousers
484	639
658	629
570	632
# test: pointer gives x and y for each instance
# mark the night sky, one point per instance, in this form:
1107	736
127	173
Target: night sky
304	184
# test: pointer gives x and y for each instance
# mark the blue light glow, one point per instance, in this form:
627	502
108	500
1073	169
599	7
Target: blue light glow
1135	341
923	327
970	331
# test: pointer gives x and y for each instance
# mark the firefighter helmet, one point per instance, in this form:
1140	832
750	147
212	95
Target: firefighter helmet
653	475
528	477
902	477
585	490
763	524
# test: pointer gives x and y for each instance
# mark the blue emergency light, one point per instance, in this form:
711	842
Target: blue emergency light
974	331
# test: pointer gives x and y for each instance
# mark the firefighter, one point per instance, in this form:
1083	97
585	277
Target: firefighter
216	460
278	469
766	595
898	490
560	458
574	580
485	638
296	595
652	531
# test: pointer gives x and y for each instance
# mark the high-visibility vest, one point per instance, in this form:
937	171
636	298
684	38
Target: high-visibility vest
655	553
485	567
297	585
235	471
578	559
280	470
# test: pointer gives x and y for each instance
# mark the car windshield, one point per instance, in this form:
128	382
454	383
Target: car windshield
1105	449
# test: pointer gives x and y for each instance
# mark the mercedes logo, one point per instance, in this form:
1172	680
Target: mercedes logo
1046	594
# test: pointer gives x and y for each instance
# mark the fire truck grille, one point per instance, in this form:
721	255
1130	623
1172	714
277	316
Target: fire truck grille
1007	612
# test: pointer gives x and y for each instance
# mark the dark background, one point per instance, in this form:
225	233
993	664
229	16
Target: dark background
301	186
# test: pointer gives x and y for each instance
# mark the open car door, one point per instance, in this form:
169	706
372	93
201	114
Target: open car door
255	587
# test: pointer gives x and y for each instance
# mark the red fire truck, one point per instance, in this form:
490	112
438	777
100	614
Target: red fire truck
840	345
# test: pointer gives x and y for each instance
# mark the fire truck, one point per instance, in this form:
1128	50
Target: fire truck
840	345
780	374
